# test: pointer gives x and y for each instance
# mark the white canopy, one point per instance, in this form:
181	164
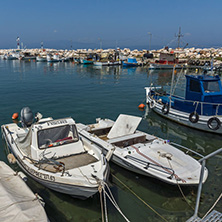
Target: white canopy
17	201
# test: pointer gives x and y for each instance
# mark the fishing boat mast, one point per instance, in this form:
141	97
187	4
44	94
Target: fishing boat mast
179	36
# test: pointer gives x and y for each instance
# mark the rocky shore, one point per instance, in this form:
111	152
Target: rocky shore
186	55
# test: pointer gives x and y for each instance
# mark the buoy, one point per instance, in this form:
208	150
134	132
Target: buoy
11	158
141	106
15	116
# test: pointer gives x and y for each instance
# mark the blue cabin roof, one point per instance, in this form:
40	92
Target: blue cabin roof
131	60
203	88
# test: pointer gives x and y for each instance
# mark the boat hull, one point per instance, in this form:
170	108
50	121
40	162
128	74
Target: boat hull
165	66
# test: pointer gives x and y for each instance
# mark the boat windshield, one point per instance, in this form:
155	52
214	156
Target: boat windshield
57	136
212	86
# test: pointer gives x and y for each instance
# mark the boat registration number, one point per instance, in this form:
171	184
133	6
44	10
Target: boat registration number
56	122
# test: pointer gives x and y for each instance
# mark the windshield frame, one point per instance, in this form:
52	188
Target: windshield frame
61	142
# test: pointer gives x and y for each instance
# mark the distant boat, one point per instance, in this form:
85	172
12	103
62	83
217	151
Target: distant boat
86	61
53	58
41	58
27	56
107	63
131	62
167	60
10	57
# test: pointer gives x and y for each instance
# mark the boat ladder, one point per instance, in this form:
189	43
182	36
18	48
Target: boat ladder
213	216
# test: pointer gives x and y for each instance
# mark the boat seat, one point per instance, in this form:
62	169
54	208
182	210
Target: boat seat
100	131
128	140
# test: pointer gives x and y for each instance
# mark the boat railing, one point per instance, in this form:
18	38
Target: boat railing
154	166
158	96
203	162
187	149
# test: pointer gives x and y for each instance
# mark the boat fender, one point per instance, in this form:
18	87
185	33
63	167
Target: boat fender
141	106
194	117
165	109
214	123
152	104
11	158
15	116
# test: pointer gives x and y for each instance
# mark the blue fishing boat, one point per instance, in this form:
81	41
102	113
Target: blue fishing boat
199	108
131	62
86	61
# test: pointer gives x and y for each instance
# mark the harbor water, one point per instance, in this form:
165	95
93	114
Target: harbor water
86	93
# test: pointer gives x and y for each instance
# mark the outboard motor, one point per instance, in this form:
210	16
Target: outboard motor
26	117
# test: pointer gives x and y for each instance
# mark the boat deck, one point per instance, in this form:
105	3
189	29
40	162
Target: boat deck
70	162
214	216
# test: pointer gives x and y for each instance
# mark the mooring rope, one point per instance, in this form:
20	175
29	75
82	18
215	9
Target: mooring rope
140	198
212	206
181	191
101	201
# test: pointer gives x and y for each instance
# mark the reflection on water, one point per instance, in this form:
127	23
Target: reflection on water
88	92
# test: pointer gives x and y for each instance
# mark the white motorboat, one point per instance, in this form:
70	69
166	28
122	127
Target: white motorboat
53	58
142	153
40	58
107	63
17	202
52	153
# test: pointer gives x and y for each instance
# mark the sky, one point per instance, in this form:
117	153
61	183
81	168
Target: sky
134	24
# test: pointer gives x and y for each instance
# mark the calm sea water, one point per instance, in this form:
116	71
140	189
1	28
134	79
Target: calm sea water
85	93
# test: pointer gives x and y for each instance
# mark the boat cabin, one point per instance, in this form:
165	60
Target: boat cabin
203	88
203	94
56	138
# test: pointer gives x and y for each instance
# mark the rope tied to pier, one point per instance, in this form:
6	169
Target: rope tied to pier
103	194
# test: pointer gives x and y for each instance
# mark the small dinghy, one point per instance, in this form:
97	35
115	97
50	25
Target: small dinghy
52	153
140	152
17	202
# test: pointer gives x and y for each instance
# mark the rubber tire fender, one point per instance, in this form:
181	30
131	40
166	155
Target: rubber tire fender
152	104
209	123
165	109
194	117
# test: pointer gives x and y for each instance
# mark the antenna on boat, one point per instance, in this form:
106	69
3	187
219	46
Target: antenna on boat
41	45
179	36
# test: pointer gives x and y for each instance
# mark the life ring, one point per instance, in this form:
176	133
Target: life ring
211	125
152	104
165	109
194	117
